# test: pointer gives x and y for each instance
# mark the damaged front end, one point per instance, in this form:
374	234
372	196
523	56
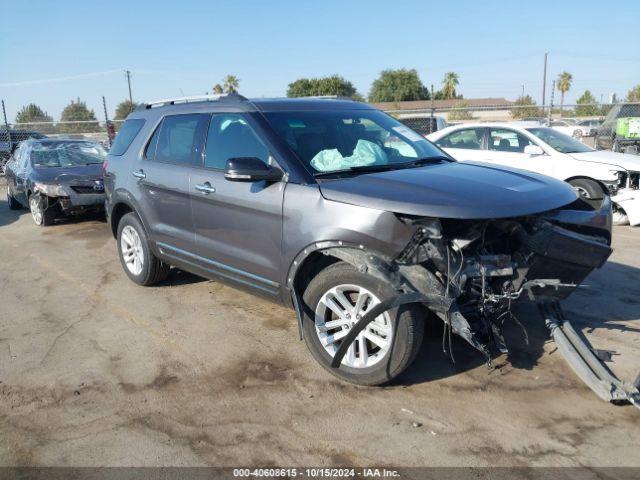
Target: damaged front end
470	273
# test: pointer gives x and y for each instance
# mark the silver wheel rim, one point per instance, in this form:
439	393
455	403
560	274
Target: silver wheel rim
336	313
36	211
131	249
582	192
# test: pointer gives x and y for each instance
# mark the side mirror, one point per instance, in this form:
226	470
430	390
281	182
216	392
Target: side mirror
251	169
533	150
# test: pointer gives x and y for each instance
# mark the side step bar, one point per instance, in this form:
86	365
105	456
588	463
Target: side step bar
584	362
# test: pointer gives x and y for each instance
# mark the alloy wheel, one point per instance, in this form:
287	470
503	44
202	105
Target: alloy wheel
336	313
131	249
36	210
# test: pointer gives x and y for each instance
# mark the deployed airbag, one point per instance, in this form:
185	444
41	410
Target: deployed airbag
365	153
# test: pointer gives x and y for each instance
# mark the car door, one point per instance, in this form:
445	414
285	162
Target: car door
464	144
161	177
20	175
506	147
238	224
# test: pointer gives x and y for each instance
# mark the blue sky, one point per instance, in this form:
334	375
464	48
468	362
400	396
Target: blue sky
186	46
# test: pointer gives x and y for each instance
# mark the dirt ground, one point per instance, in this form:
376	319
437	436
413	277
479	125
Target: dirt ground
96	371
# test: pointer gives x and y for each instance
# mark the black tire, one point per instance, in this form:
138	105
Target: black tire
407	325
153	270
588	189
42	213
12	202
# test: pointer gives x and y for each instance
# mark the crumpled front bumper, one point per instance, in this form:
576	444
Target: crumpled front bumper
629	200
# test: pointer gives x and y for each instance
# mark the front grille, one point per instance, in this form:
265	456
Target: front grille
87	189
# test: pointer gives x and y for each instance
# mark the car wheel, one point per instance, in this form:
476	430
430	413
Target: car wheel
587	189
577	134
337	298
42	213
12	202
619	216
139	263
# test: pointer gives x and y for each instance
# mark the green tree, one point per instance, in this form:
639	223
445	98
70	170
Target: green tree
525	107
634	94
564	84
124	108
230	84
332	85
397	86
78	111
449	84
460	111
31	116
586	105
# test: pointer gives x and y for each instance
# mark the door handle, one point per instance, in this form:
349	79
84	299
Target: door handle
139	174
205	188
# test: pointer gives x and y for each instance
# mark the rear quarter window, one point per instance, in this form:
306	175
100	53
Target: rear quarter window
125	136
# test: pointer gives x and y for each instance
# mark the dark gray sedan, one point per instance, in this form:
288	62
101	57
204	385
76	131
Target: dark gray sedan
56	177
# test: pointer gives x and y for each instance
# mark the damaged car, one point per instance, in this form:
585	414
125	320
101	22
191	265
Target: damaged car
56	177
346	215
544	150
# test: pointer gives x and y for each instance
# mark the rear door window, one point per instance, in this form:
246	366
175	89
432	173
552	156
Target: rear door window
180	139
125	136
231	136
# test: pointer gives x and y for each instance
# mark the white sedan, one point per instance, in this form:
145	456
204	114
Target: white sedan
570	127
545	150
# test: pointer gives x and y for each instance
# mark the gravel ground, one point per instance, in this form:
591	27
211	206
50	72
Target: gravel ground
96	371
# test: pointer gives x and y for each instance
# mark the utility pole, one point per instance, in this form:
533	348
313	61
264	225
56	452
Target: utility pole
128	75
4	115
553	91
433	110
522	91
544	81
6	125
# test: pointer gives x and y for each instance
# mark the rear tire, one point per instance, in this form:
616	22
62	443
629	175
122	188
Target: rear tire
587	189
398	333
136	257
12	202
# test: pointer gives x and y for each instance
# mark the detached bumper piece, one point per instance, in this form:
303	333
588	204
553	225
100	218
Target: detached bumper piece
584	362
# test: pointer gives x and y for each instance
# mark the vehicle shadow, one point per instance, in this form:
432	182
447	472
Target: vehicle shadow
7	216
179	277
612	297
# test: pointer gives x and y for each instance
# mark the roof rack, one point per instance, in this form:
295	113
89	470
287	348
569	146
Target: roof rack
194	98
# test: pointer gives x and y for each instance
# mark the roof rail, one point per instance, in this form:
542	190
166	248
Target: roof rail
194	98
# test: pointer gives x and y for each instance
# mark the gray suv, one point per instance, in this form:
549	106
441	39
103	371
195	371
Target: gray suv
339	211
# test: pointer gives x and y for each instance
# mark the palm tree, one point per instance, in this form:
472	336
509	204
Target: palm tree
564	84
231	83
449	85
217	89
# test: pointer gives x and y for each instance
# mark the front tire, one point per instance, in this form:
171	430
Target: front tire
42	213
587	189
138	262
337	297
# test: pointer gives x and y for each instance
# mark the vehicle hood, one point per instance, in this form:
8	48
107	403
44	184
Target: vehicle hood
67	175
624	160
452	190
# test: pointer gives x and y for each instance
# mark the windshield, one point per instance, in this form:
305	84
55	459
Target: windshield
332	141
66	154
559	141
